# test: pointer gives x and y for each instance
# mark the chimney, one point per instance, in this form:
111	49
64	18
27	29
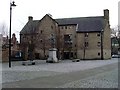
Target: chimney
106	14
30	18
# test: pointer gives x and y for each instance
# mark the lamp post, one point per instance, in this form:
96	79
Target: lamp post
11	5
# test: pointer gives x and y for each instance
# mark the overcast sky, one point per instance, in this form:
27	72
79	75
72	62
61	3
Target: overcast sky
57	8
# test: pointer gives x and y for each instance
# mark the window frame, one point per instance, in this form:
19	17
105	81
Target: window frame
86	34
98	53
99	44
86	44
98	34
65	27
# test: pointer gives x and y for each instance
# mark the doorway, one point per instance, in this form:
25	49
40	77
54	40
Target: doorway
68	55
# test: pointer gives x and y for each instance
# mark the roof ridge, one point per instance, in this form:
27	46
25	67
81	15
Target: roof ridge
35	20
81	17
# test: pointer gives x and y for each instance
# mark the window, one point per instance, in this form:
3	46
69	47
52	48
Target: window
68	39
41	31
86	44
99	54
65	27
37	55
62	27
75	54
75	36
98	34
86	34
99	44
51	27
41	40
75	45
52	34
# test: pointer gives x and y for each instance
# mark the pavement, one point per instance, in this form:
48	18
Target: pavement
66	74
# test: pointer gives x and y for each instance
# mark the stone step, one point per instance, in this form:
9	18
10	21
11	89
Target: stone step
75	60
28	63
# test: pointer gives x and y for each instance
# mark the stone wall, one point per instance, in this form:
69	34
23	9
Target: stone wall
93	51
5	55
68	30
41	39
107	42
48	27
93	48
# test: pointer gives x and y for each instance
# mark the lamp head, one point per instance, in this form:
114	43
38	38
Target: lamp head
13	4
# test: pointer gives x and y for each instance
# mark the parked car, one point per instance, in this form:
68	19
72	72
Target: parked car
115	56
18	56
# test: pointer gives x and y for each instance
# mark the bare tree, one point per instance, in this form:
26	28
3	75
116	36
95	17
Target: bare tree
42	43
4	33
23	45
3	29
116	33
60	45
115	36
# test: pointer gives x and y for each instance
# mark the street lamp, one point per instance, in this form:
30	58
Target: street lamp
11	5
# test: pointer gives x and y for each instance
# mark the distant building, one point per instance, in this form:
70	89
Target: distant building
0	47
15	47
115	40
80	37
4	48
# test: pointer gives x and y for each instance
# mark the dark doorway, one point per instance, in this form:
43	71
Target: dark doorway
37	56
68	55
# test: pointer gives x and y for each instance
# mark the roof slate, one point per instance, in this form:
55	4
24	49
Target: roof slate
85	24
29	27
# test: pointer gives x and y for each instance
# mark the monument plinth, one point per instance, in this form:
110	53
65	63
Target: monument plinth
52	52
52	56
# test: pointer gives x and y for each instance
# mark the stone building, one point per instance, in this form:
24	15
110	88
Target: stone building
36	33
4	48
80	37
15	47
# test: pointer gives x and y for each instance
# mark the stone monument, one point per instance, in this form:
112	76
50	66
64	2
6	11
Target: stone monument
52	52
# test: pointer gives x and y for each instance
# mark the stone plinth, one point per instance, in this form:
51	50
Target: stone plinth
75	60
28	62
52	56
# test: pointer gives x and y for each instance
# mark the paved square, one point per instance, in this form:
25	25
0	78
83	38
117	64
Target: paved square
83	74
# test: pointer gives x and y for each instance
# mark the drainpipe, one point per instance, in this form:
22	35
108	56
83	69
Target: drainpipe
84	47
102	45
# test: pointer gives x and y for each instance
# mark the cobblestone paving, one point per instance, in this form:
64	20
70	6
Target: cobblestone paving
12	76
103	80
19	72
63	66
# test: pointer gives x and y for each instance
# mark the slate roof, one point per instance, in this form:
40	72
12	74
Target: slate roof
85	24
29	27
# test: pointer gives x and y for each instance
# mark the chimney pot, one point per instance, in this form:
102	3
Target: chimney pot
30	18
106	14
